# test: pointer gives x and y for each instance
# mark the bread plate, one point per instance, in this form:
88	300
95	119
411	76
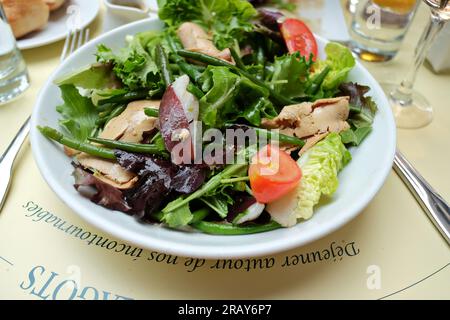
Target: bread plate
81	11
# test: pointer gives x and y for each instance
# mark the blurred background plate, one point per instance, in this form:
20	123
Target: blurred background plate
56	28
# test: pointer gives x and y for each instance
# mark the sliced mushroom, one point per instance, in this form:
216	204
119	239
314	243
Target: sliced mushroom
132	123
108	171
312	120
194	38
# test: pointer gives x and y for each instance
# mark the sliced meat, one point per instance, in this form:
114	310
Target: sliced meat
312	120
132	123
194	38
179	109
70	152
108	171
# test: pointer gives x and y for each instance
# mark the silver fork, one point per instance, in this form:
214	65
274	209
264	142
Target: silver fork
74	39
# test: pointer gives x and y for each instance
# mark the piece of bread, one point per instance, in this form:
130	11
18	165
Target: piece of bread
26	16
54	4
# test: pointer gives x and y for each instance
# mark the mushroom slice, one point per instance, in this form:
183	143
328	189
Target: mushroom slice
132	123
108	171
194	38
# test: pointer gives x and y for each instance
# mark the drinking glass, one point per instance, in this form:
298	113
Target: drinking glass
379	26
411	109
13	71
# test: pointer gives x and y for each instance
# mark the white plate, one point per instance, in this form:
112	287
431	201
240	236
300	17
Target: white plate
359	181
56	28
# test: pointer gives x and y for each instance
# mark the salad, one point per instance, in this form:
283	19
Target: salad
226	121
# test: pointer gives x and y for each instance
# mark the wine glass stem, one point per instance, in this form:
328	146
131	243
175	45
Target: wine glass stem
403	93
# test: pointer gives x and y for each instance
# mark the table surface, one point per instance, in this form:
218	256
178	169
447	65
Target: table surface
393	250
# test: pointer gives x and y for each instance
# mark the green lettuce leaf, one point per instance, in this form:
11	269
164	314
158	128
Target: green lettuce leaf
95	76
362	113
290	75
228	20
219	97
134	65
78	113
179	217
320	167
230	97
340	62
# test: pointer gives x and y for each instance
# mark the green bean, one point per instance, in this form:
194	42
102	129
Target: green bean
201	57
130	147
125	98
100	122
116	112
106	113
77	145
282	138
237	59
199	215
354	109
151	112
163	64
155	92
261	60
229	229
95	132
195	90
187	68
318	80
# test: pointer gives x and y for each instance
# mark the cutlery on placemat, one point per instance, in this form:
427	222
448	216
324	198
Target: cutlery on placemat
432	203
74	39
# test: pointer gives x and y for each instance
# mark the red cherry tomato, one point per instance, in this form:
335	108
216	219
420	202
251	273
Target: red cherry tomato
298	37
272	173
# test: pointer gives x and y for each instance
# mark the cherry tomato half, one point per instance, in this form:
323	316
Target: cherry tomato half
298	37
272	173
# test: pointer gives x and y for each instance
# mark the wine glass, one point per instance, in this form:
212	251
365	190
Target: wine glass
411	109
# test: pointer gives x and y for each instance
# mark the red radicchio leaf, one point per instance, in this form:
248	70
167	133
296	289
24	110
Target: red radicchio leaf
242	203
99	192
188	179
157	178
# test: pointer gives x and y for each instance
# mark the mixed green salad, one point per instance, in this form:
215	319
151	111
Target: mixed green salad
148	126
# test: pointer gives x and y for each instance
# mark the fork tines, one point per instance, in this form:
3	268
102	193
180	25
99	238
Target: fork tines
75	38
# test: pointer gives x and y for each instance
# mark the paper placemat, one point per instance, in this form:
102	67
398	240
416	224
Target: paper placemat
389	251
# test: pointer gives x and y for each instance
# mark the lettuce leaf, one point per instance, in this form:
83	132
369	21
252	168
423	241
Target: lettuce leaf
340	61
95	76
290	75
363	110
133	64
320	167
230	97
228	20
78	113
179	217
